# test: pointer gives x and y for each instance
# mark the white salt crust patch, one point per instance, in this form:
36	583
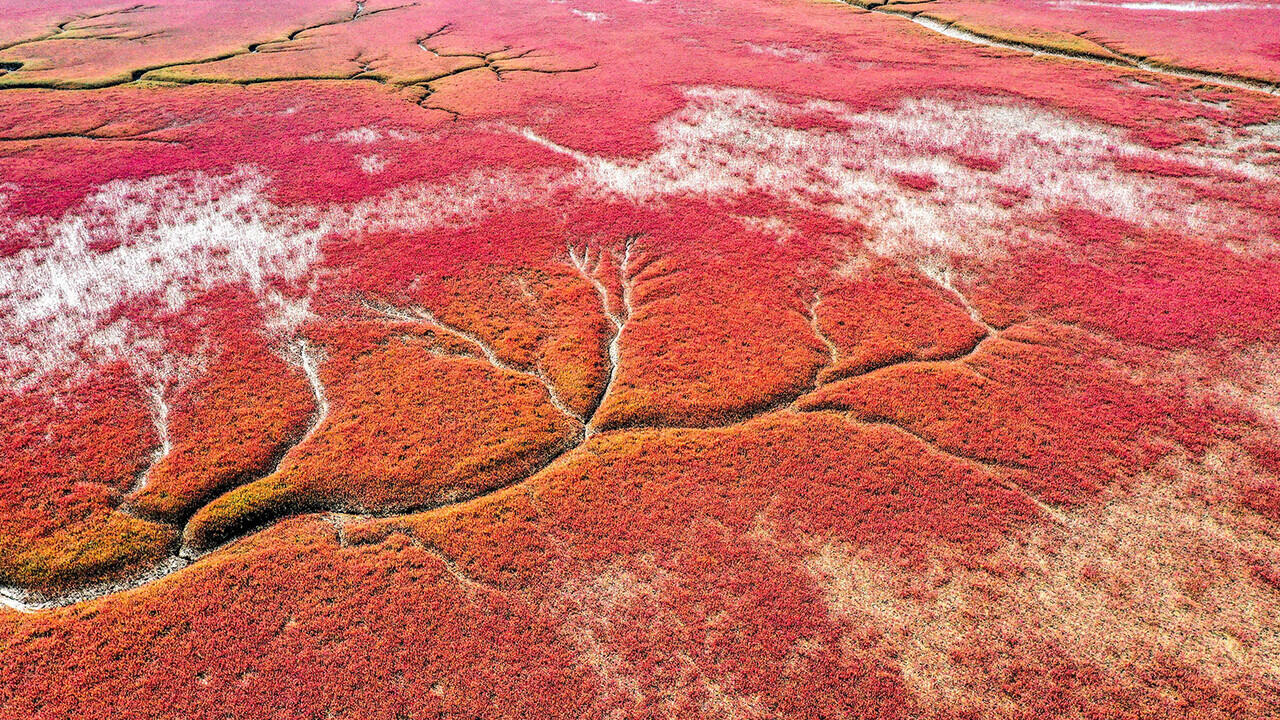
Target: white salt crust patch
364	136
778	228
162	240
176	235
729	141
1257	145
589	16
786	52
371	164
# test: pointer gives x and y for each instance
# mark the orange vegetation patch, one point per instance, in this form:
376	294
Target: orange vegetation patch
69	460
1026	400
391	439
885	314
388	631
846	566
228	425
817	473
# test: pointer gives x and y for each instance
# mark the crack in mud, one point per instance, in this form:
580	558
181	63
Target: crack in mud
1055	514
29	601
497	62
825	375
160	418
64	27
452	567
1115	58
484	61
944	277
139	74
464	579
356	14
26	600
833	352
999	469
591	273
311	368
422	315
82	136
339	522
91	133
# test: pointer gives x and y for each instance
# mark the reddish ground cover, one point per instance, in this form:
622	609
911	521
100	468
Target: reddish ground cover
1166	33
636	359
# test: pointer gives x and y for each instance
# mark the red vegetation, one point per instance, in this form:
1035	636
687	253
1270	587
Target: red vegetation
1159	31
918	181
68	460
231	423
388	632
638	580
517	291
1158	289
393	440
887	314
715	332
1065	422
769	630
635	360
